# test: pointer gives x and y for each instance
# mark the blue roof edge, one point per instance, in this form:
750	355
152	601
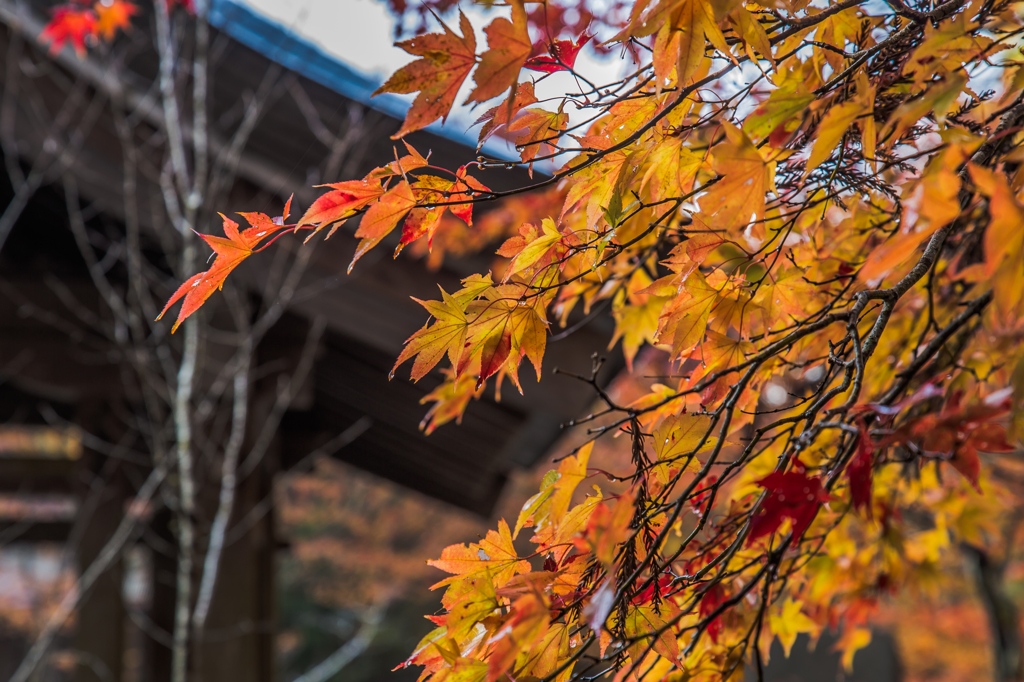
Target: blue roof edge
281	44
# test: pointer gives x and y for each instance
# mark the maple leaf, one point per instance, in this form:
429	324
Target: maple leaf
1003	240
654	589
790	623
508	48
494	556
496	330
468	602
439	194
533	250
720	351
449	399
529	339
594	186
673	169
713	597
859	471
739	197
607	528
230	253
791	494
466	187
422	220
526	625
752	33
540	130
937	101
69	24
495	350
498	117
647	628
831	130
839	119
446	61
571	472
113	17
340	203
545	659
852	641
636	322
959	432
680	42
401	165
679	436
419	223
781	114
382	217
561	55
537	509
446	335
684	320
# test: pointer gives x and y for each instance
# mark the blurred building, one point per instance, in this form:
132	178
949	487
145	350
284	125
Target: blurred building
68	463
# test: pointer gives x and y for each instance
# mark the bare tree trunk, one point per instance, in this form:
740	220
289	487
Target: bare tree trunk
1003	616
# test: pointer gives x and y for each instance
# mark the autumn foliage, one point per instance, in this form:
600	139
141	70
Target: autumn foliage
82	23
826	201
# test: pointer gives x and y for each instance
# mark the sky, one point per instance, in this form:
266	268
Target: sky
361	33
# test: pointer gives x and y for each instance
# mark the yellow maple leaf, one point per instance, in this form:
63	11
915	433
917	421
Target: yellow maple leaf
790	622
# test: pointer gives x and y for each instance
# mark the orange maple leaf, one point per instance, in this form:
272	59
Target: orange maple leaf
230	252
527	624
508	48
382	217
464	189
497	117
746	176
494	556
439	194
423	221
607	528
538	130
345	199
446	61
112	17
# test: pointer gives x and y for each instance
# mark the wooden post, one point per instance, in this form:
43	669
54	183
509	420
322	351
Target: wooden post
99	636
238	645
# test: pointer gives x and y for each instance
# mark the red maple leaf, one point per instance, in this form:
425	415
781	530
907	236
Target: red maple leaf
561	55
69	24
859	471
791	494
705	492
958	432
654	588
709	603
